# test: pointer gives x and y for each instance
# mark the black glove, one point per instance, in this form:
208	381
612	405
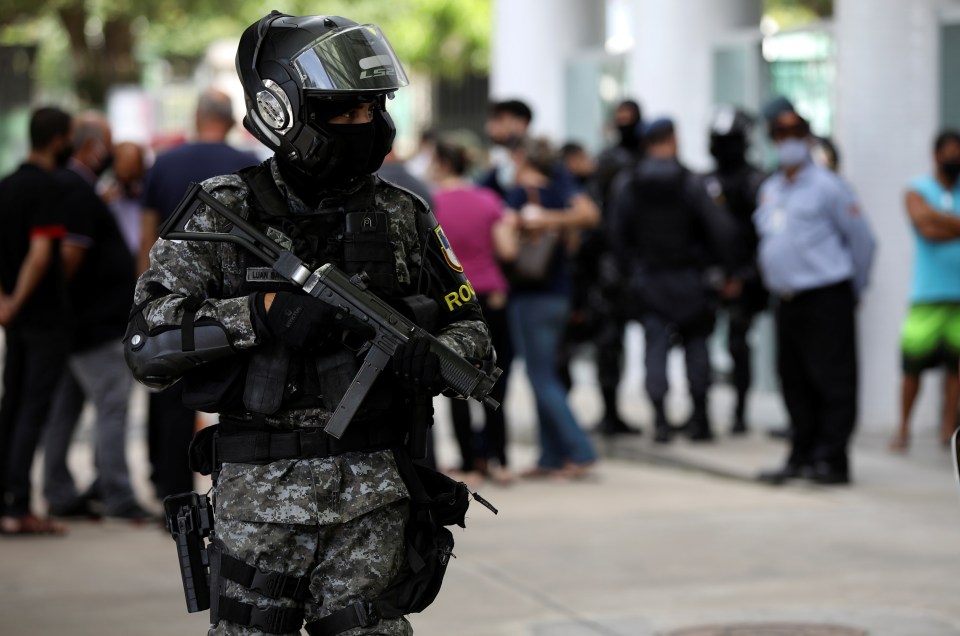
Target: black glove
418	367
298	319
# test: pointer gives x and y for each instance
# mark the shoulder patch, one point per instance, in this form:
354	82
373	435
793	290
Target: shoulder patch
447	250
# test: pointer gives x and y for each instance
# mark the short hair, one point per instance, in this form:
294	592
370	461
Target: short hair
570	149
214	104
945	137
452	154
540	154
87	129
46	124
513	107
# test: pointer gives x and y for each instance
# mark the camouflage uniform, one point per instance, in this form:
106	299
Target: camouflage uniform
341	518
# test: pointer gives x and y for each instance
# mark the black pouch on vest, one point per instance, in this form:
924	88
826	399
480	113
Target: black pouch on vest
200	451
436	501
367	248
266	378
215	386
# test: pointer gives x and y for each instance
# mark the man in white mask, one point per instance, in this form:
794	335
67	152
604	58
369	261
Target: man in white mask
815	253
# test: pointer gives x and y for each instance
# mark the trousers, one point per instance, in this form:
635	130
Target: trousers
347	558
34	361
659	337
101	376
817	363
537	321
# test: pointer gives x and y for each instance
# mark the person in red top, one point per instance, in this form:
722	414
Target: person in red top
475	223
32	311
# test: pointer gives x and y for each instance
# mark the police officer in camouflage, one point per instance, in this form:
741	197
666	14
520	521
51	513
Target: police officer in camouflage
309	529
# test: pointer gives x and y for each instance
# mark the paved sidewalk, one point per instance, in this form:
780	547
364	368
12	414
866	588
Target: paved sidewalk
662	539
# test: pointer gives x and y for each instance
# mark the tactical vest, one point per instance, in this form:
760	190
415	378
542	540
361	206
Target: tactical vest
663	225
347	231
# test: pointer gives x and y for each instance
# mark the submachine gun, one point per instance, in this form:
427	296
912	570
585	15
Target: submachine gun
350	296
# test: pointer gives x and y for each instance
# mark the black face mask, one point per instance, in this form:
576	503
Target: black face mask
345	154
628	136
951	170
62	157
729	153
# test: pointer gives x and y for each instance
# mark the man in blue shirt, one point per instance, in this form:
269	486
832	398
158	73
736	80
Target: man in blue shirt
931	331
814	253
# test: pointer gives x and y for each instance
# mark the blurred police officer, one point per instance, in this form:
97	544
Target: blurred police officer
598	269
316	527
815	253
665	231
734	185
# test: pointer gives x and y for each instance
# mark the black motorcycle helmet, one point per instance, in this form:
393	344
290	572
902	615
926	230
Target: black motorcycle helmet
729	135
299	72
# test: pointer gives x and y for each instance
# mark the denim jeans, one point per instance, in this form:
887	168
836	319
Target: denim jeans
537	322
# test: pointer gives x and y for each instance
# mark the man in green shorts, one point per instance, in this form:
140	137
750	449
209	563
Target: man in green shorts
931	332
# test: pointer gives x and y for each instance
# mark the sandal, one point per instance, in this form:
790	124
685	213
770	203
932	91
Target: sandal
30	525
539	472
577	472
899	444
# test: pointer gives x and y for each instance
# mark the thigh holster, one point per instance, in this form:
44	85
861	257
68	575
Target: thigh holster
274	585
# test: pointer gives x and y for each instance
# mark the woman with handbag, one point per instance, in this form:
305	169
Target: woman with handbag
478	228
548	209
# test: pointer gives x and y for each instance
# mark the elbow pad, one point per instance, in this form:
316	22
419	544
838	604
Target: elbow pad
159	360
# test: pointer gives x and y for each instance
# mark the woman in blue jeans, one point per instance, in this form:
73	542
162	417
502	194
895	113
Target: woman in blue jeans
546	201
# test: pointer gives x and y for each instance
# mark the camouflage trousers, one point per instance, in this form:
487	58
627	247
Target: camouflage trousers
346	562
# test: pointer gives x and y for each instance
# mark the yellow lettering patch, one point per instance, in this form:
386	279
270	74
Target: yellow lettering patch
463	295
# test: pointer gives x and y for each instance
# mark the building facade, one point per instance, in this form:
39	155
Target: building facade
880	78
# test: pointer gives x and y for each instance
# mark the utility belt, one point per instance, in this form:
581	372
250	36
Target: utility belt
241	442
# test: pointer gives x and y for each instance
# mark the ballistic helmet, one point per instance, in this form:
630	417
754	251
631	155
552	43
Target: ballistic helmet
729	134
299	72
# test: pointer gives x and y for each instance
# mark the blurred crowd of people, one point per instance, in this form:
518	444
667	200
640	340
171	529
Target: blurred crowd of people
80	215
562	249
565	249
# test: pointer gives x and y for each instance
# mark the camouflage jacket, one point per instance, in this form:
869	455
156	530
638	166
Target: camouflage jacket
214	274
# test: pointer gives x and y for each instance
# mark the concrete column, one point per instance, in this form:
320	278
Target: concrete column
533	39
671	63
886	119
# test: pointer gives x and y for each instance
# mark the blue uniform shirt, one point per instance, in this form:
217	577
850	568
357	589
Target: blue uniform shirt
936	266
811	232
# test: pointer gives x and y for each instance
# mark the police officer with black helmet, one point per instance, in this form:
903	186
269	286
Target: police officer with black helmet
734	185
308	532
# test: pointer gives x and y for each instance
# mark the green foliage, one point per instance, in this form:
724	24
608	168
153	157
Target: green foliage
796	13
445	37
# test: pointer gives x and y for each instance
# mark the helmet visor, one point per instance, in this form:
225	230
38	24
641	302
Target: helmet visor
354	59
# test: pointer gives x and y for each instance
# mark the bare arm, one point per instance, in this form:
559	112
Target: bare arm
582	214
32	271
72	255
931	224
506	237
149	232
